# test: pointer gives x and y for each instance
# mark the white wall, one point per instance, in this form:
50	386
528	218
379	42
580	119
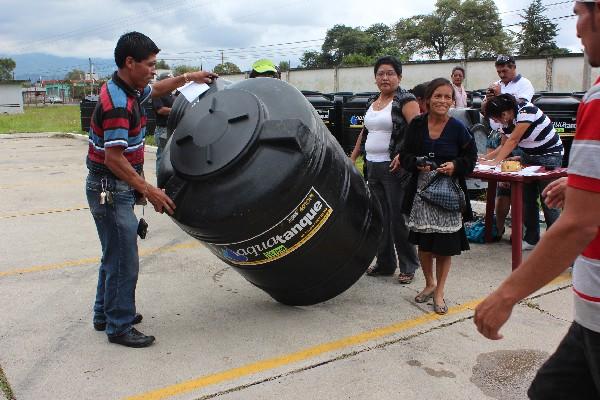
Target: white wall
567	75
11	98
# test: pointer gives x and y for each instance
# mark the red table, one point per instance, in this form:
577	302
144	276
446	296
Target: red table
516	202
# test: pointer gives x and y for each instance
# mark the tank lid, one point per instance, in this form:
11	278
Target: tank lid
214	131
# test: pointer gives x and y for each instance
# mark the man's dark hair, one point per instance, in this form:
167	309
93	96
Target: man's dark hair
498	104
436	83
388	60
136	45
505	60
458	68
419	90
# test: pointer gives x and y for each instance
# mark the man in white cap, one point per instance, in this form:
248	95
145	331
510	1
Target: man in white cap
573	371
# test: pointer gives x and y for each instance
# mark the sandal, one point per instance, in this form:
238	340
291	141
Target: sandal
405	279
440	309
423	296
374	270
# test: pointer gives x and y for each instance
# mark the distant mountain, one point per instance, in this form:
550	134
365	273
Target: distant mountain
32	66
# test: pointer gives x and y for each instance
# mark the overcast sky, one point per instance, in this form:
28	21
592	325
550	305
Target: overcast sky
194	31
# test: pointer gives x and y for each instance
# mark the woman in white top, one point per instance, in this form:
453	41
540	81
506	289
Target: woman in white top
460	94
387	115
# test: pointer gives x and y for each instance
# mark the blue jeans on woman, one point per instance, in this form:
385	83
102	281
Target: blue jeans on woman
116	224
532	192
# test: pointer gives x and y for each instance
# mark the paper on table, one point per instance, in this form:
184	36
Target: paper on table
484	167
192	90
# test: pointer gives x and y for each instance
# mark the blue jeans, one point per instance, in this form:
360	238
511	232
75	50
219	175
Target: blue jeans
116	224
394	247
532	192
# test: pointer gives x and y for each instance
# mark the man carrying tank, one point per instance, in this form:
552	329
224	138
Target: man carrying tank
115	181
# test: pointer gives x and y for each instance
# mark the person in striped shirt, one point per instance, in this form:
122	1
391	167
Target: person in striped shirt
115	181
573	371
527	127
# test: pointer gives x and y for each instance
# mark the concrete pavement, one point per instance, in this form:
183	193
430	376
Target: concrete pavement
217	335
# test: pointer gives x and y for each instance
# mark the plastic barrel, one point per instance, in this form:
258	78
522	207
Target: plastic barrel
561	108
86	109
353	116
258	178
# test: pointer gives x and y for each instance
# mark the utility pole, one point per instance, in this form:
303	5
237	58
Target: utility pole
222	57
91	81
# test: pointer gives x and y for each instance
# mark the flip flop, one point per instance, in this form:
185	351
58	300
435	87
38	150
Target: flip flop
423	297
441	310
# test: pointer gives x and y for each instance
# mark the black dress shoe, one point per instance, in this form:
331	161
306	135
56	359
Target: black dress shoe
101	326
133	338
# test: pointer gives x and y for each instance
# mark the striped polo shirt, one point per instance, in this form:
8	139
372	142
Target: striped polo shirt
119	120
540	137
584	174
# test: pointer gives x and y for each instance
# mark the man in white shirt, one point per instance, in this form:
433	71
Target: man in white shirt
510	82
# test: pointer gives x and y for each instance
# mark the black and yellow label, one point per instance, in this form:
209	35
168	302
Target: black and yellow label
281	239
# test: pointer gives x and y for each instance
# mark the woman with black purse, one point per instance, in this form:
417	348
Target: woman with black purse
440	152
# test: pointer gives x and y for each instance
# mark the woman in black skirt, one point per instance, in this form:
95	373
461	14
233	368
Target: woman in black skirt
449	149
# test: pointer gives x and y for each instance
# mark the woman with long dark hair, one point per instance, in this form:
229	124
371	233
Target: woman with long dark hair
437	144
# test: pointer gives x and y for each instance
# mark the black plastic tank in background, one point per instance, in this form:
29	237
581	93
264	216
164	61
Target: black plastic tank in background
561	108
324	105
86	108
353	117
258	178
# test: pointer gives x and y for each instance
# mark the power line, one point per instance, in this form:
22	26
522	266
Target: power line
545	5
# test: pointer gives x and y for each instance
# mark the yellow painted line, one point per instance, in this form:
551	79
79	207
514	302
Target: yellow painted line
44	212
311	352
95	260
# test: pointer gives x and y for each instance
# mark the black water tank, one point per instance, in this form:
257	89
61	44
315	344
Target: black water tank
353	118
561	108
86	108
258	178
323	103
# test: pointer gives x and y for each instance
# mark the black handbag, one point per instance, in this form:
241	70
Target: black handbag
443	191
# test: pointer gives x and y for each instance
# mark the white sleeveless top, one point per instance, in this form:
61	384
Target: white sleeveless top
379	124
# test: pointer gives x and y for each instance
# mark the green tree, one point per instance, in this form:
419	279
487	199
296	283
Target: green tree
538	33
7	65
284	66
313	59
75	75
342	40
355	59
227	68
182	69
162	64
478	30
406	36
